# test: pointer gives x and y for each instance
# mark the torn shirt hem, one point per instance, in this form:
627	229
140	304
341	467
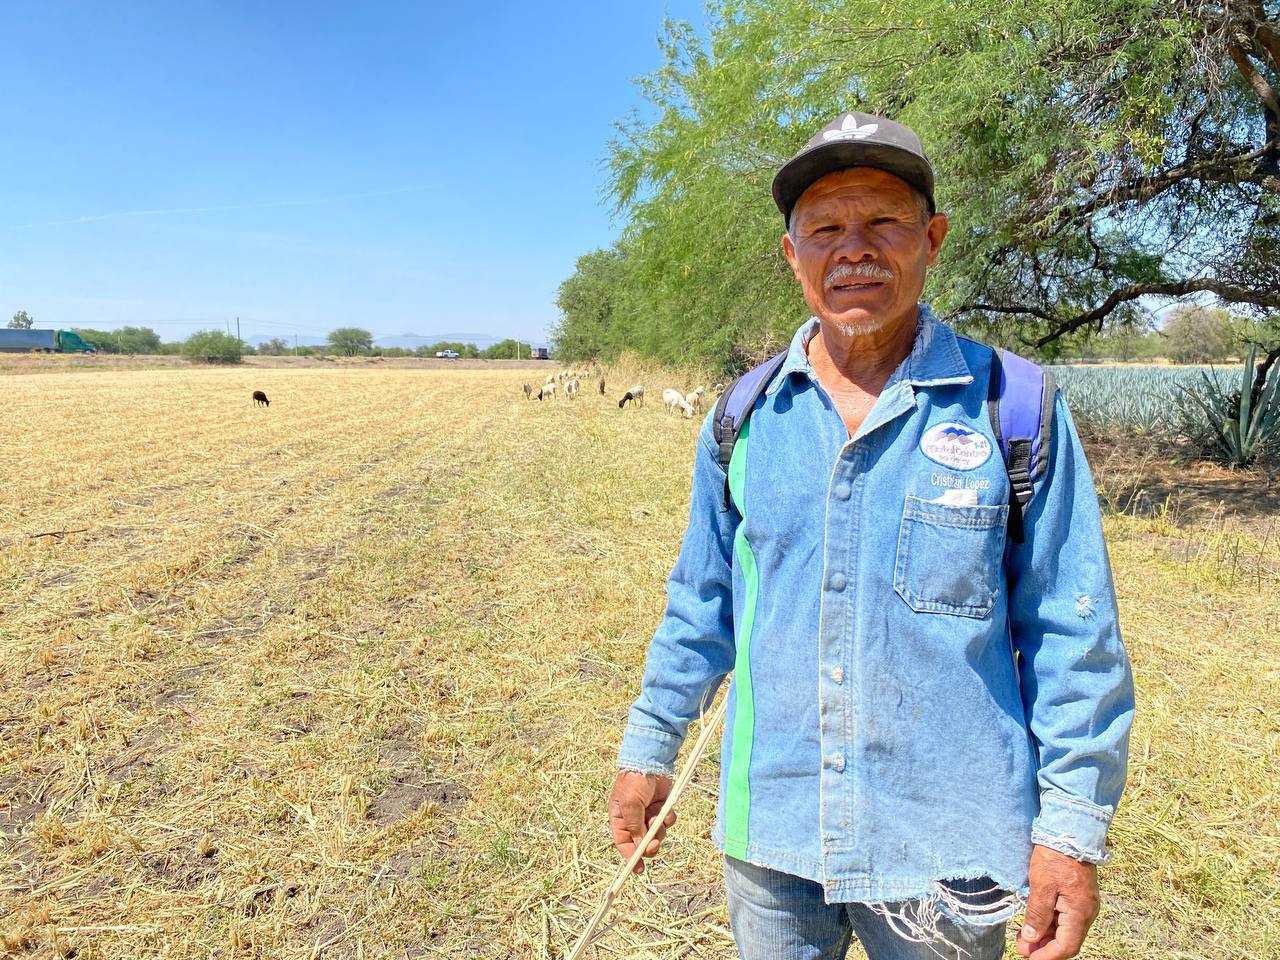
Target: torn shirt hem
910	906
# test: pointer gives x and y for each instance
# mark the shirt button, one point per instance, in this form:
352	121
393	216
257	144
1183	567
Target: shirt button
837	675
837	764
843	490
836	582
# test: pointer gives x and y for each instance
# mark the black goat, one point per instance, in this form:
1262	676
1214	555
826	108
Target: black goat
260	398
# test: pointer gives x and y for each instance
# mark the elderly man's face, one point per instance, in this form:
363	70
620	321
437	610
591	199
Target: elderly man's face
860	244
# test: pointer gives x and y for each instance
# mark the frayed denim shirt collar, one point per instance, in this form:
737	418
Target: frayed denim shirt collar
935	358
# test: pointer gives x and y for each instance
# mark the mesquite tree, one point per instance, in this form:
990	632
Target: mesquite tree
1093	157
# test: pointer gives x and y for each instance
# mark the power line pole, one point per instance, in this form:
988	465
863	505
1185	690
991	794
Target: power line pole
238	329
295	344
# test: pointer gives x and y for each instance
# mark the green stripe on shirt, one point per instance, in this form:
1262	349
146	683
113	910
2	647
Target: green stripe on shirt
738	799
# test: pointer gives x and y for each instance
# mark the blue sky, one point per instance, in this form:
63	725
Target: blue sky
405	167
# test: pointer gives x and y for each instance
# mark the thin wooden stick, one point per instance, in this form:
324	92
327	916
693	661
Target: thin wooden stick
56	533
709	725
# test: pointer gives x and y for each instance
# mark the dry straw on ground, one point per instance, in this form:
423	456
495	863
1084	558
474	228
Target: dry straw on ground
344	677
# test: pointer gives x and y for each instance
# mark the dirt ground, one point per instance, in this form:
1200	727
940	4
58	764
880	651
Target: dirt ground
1148	479
344	677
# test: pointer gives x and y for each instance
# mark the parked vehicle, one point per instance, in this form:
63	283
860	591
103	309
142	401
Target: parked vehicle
448	354
44	341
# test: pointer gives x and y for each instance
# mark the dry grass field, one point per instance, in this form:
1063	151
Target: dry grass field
344	677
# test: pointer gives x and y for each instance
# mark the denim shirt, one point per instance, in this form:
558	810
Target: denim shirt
915	698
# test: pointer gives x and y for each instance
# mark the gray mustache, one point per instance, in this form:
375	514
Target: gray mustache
844	271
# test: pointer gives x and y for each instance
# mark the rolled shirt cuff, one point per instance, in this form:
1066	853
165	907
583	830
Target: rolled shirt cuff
1072	826
646	750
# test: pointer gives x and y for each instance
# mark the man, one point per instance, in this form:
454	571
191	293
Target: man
928	718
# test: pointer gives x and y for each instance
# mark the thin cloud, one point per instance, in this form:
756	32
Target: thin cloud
220	209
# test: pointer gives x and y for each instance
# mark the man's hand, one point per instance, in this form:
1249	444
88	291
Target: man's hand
636	799
1062	905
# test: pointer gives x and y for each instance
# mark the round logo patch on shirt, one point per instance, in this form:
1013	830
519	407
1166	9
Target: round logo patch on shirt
956	446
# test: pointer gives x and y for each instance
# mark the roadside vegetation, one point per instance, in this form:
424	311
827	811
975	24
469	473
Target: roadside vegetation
223	347
344	677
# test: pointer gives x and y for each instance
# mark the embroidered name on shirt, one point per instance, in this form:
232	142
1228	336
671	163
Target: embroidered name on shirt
952	482
954	445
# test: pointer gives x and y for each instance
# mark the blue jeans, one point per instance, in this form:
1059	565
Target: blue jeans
777	916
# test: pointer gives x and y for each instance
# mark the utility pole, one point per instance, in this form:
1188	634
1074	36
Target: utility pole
238	329
295	344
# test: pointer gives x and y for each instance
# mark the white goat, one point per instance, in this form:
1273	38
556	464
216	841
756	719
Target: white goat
673	401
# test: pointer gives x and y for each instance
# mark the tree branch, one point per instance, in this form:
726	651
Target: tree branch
1255	80
1260	375
1064	325
1219	169
1266	34
1000	308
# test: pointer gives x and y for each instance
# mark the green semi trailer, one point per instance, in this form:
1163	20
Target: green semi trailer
44	341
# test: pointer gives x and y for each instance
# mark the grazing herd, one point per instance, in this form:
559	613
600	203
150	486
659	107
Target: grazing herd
569	384
567	381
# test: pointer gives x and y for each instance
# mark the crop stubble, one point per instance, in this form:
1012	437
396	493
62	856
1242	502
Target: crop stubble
345	677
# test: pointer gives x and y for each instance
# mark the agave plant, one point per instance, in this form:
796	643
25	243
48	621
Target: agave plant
1244	422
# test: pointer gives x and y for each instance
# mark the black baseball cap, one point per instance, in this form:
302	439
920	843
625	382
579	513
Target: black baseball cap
854	140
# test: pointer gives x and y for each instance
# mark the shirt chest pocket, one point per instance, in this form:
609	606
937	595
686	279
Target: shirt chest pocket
950	557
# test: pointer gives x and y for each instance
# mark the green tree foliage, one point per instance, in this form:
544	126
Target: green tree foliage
508	349
273	347
135	340
351	341
594	323
212	346
21	321
468	351
131	340
1088	154
1196	334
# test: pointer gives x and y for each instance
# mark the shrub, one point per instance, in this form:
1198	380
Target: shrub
212	346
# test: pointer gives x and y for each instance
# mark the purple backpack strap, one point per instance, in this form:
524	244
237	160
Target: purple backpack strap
735	405
1020	403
